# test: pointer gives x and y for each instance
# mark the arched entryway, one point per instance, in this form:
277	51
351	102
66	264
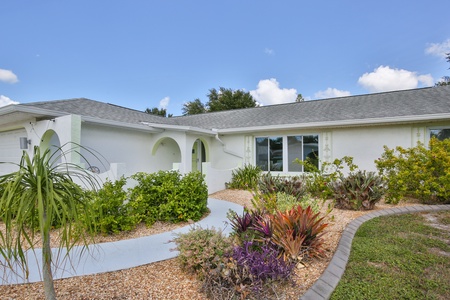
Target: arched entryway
199	155
50	140
167	154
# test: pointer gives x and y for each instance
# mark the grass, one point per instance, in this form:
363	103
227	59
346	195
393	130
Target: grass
398	257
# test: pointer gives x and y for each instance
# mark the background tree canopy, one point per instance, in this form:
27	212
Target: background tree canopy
223	99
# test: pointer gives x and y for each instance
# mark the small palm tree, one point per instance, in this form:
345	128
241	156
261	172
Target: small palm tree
37	197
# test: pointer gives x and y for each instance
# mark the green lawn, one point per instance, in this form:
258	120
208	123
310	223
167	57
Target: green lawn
398	257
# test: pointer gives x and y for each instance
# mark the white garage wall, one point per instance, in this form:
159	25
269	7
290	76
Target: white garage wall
10	149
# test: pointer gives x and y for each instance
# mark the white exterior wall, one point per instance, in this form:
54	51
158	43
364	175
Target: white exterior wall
114	145
228	153
365	145
10	151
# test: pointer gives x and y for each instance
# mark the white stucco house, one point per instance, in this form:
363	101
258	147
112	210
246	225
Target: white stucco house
129	141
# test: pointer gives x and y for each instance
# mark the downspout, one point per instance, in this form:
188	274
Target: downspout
224	147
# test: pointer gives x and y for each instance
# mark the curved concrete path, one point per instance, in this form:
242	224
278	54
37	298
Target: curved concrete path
325	285
125	254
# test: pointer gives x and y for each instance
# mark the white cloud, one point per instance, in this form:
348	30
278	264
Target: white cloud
164	102
269	92
269	51
331	93
439	49
386	79
8	76
6	101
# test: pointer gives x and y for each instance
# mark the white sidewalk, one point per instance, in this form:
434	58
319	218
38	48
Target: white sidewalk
125	254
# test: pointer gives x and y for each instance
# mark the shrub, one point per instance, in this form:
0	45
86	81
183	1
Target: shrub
245	178
202	250
317	180
250	273
188	200
419	172
166	196
287	202
269	184
110	212
358	191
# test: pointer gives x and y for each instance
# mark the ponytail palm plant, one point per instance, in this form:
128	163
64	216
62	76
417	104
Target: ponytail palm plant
39	196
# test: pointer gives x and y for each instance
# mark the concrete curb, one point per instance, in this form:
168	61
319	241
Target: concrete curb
328	281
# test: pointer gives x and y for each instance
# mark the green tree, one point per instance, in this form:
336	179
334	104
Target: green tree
158	112
446	79
34	199
227	99
193	108
299	98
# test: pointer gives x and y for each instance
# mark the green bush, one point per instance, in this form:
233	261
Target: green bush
287	202
245	178
419	172
189	200
358	191
202	250
110	212
166	196
317	180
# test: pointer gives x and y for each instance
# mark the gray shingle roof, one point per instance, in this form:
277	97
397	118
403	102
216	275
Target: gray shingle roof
96	109
397	104
416	102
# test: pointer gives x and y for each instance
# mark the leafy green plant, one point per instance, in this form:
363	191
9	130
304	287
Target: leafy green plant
358	191
202	250
166	196
245	178
317	179
110	211
286	202
419	172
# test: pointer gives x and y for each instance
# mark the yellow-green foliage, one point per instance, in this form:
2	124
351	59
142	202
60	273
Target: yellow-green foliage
420	172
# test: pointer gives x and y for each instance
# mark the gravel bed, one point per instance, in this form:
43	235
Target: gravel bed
165	280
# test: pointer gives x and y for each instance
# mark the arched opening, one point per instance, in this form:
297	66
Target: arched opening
50	140
167	154
199	155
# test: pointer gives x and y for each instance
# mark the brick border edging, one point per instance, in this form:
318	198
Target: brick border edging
328	281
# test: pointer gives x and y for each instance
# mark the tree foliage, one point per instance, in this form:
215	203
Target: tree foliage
219	100
446	79
227	99
158	112
193	108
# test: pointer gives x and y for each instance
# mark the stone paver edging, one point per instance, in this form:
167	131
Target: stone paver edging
328	281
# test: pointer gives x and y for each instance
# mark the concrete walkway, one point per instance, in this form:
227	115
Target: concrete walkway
125	254
325	285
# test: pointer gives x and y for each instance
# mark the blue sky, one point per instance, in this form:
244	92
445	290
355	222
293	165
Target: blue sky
143	54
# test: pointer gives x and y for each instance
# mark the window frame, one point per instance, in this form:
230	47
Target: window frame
285	147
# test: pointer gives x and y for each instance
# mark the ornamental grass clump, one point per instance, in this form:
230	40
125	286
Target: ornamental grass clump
359	190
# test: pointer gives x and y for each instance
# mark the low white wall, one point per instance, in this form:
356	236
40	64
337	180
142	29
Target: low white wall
216	178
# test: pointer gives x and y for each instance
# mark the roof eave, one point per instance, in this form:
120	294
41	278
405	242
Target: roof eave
340	123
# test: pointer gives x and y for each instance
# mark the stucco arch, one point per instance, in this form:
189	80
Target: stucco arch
166	152
50	140
200	153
